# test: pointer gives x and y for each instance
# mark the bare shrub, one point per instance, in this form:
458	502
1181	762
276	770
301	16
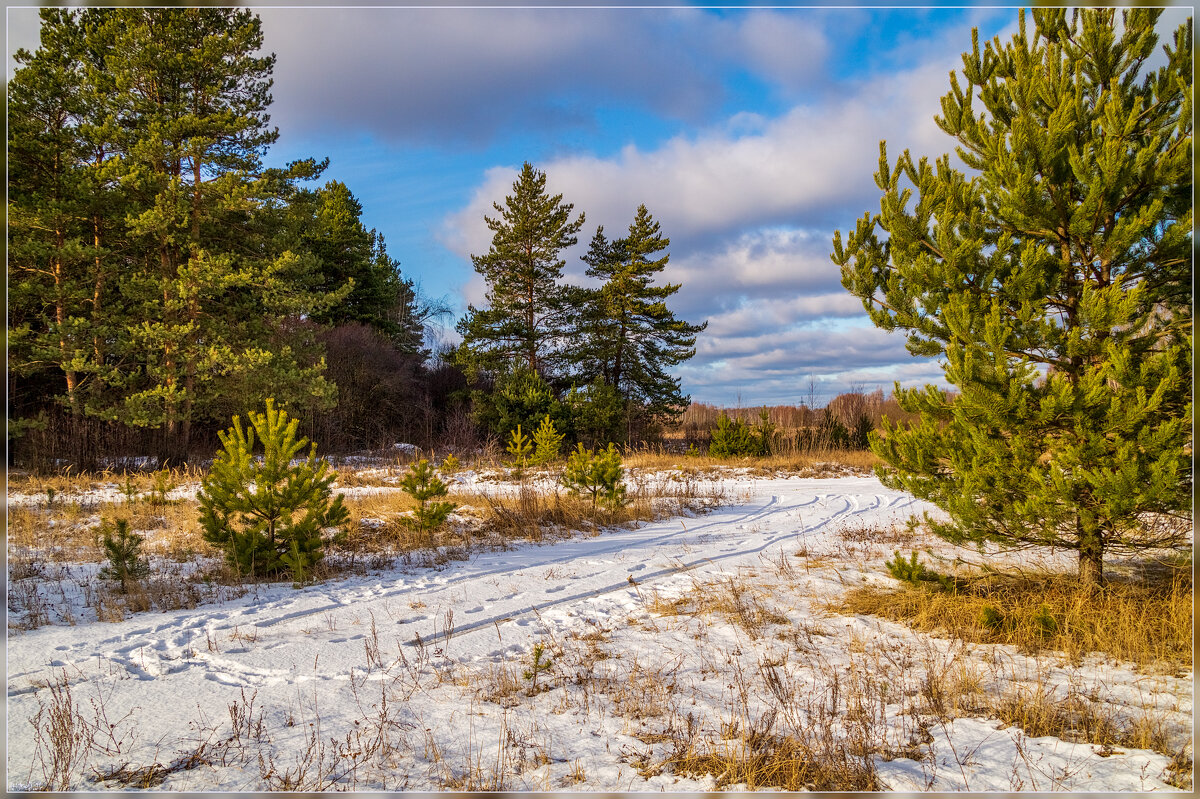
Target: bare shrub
62	737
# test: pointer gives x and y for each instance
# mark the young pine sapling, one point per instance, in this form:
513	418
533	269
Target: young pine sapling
123	548
423	484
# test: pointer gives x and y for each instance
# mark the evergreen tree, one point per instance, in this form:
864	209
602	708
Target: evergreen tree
268	513
211	295
520	397
328	224
423	485
1055	283
629	336
525	321
62	201
595	414
547	442
123	548
597	474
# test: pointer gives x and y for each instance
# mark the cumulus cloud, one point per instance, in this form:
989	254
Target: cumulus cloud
777	369
810	167
464	75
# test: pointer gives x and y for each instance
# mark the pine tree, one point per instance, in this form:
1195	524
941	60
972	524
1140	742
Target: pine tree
1055	283
520	447
423	485
629	336
211	295
597	474
519	397
63	201
267	513
151	285
525	321
547	442
123	549
328	224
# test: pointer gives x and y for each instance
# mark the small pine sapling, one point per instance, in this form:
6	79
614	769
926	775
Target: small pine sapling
163	485
548	442
1045	622
423	485
765	432
520	448
268	513
123	548
732	438
450	464
540	663
130	490
993	619
914	572
597	474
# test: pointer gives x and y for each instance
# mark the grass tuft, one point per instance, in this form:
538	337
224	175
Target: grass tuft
1147	621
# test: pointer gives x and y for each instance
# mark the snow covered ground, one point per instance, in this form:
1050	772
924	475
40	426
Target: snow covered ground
677	637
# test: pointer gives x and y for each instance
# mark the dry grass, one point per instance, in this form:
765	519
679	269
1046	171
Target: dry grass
735	600
820	463
533	515
782	763
1145	621
66	483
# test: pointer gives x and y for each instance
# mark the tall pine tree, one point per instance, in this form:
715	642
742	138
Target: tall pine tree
328	224
629	338
151	284
213	300
55	196
525	321
1055	282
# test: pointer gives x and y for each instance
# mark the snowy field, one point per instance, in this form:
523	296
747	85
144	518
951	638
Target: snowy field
660	646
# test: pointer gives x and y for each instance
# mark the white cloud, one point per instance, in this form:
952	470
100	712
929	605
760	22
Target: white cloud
464	74
800	169
788	49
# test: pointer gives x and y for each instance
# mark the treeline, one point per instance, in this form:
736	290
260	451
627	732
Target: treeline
842	423
162	279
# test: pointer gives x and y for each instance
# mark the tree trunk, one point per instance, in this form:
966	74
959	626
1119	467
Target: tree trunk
1091	558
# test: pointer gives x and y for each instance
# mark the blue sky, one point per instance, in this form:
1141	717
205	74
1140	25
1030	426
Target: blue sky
750	134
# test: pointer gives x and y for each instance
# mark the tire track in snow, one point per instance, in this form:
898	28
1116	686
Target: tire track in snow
653	577
189	633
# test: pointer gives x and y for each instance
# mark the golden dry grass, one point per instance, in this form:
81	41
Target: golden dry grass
1145	621
783	764
531	514
66	482
811	464
735	600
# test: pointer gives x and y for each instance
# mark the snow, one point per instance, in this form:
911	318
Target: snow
422	667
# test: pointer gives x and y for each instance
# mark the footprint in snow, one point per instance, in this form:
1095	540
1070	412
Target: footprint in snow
475	609
638	567
555	590
224	679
